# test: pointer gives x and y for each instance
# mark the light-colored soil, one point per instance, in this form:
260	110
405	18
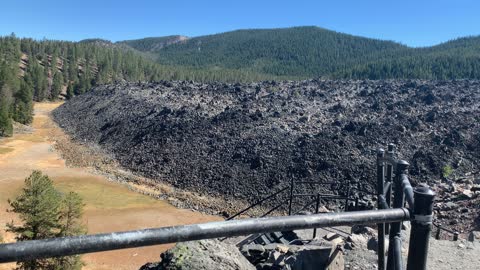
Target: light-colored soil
449	255
110	206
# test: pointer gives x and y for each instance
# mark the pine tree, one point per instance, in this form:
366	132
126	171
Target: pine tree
23	111
44	214
70	225
70	92
57	85
38	207
6	128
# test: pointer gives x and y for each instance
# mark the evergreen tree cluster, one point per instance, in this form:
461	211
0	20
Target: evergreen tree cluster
33	70
47	213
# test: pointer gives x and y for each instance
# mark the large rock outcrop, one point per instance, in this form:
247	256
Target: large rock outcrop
202	255
242	141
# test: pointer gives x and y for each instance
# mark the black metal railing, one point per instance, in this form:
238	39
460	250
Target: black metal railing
440	228
65	246
291	195
392	181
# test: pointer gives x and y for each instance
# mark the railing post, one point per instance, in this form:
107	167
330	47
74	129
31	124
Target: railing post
290	201
455	236
347	199
388	178
395	228
421	228
437	235
381	226
317	205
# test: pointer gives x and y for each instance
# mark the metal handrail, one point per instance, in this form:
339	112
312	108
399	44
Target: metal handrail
66	246
420	203
258	203
440	228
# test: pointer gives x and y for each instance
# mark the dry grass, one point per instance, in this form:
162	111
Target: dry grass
4	150
110	206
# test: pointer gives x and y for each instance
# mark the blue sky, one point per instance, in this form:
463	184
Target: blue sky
415	23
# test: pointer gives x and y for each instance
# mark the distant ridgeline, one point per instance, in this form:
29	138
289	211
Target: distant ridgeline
306	52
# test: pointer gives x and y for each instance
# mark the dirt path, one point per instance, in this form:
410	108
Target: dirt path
109	206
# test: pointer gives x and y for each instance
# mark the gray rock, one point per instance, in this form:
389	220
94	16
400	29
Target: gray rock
203	255
316	257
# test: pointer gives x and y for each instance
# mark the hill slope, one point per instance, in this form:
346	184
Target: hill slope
39	70
302	52
152	44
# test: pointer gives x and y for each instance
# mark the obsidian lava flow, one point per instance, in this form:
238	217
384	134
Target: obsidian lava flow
245	140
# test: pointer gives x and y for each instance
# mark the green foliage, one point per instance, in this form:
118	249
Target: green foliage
70	215
305	52
45	213
56	86
70	92
83	64
294	52
6	128
152	44
23	106
447	171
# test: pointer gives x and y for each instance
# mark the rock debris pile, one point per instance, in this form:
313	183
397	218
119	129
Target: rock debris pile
243	141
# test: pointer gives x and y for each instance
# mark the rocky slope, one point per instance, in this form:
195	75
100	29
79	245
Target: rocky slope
242	141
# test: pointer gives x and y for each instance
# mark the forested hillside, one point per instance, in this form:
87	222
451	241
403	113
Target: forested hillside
153	44
46	70
298	52
305	52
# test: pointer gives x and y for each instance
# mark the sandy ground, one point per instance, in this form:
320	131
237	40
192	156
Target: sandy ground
109	206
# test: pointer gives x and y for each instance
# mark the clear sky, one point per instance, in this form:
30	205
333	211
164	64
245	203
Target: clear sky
415	23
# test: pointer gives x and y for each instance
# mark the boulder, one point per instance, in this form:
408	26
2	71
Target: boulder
295	257
357	241
202	255
359	229
316	257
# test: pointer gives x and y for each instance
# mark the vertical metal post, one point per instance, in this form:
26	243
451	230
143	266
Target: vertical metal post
347	199
388	178
398	201
455	236
421	228
437	235
358	195
317	205
291	197
381	226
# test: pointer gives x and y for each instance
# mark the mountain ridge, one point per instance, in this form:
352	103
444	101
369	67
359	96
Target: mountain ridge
310	51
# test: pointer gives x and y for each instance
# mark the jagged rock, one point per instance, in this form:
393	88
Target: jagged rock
233	141
295	257
359	229
357	241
